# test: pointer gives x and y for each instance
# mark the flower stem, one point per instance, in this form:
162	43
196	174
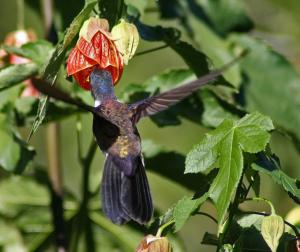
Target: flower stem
20	14
264	200
209	216
164	226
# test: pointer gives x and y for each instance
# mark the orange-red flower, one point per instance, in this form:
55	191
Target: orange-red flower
17	39
95	48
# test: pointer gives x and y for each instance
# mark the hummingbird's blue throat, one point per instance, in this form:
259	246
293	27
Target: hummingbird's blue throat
102	85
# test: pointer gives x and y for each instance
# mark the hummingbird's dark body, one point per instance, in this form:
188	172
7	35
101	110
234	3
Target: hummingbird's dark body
125	190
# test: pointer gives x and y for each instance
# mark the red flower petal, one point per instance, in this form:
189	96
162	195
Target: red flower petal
77	62
101	49
82	78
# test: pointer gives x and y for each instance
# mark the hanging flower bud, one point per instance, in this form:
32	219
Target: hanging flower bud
272	228
94	49
126	38
152	243
17	39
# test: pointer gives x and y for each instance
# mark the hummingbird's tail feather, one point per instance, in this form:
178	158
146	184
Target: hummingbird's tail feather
136	198
126	197
111	190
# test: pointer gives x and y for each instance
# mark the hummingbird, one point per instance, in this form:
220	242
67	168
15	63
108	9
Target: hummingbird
125	189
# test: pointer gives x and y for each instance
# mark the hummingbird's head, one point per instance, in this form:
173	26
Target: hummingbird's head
102	85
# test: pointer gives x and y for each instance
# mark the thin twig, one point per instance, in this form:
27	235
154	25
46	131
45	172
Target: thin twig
251	183
163	227
208	215
151	50
60	95
263	200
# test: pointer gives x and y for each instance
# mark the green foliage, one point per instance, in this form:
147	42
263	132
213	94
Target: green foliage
280	83
139	5
184	208
238	21
224	146
39	52
15	154
15	74
269	164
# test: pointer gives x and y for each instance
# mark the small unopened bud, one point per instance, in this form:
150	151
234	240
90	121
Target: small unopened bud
152	243
91	26
272	228
126	38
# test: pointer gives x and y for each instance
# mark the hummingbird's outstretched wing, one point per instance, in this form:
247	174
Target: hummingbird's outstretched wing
160	102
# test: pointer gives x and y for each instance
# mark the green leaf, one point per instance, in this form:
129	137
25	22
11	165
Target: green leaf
18	193
57	59
204	155
223	148
173	164
11	238
231	15
280	83
128	237
40	116
270	165
185	208
8	98
14	153
196	60
272	228
248	220
140	5
214	111
39	52
15	74
218	50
